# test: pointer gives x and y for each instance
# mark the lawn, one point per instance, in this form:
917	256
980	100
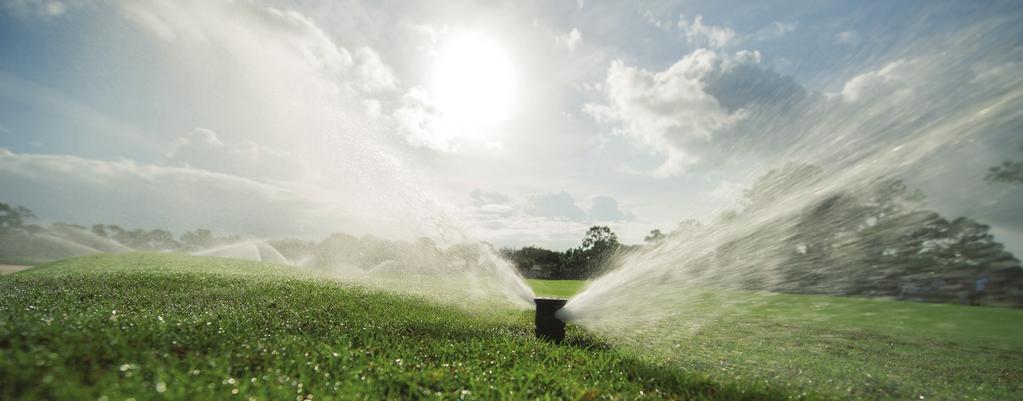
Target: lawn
556	288
160	326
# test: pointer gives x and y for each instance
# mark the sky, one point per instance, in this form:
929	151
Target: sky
517	123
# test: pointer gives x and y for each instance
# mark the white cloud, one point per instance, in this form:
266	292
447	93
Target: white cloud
74	189
372	74
275	66
998	73
698	34
203	149
893	82
569	40
847	37
43	9
421	123
726	194
559	206
605	208
775	30
668	112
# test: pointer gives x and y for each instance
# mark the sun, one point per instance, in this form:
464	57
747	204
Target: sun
473	81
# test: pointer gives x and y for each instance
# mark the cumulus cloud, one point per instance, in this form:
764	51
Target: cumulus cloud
569	40
698	111
493	202
668	111
558	205
421	123
204	149
373	75
605	208
698	34
277	67
894	81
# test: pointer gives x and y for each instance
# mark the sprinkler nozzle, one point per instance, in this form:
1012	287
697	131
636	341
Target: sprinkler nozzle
548	326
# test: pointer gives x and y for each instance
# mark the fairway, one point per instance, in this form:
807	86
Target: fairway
162	326
556	288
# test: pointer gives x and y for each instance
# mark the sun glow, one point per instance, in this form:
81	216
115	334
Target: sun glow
473	81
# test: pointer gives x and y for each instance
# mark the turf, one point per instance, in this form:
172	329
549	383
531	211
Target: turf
159	326
556	288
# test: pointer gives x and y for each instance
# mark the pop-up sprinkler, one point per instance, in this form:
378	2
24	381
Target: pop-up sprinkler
548	326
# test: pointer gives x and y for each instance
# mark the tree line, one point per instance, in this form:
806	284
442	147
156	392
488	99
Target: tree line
875	239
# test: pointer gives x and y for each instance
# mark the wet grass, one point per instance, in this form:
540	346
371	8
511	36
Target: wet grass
157	326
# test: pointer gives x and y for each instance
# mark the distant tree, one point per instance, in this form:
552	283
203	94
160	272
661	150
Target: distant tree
599	237
14	216
535	262
1011	172
778	183
99	230
197	239
655	237
160	240
598	247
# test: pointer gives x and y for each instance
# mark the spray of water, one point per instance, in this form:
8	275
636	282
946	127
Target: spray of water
847	174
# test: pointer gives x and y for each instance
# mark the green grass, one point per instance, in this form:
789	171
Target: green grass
556	288
159	326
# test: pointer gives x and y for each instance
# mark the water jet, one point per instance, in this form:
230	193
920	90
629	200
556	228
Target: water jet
548	326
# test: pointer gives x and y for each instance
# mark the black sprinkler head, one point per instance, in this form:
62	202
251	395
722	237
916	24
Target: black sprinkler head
548	326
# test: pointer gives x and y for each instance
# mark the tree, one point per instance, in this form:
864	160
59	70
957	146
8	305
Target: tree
1011	172
779	182
99	230
600	238
655	237
197	239
14	216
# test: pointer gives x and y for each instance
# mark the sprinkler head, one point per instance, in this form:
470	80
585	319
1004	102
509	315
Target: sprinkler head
548	326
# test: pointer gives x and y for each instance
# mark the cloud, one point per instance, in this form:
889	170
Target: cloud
668	111
42	9
482	197
698	34
372	74
774	30
551	219
421	123
706	107
75	189
203	149
894	81
569	40
556	206
726	194
847	37
277	67
605	208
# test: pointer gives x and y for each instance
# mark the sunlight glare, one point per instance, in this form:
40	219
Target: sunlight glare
474	81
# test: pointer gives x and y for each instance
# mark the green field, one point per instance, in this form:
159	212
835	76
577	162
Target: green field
556	288
160	326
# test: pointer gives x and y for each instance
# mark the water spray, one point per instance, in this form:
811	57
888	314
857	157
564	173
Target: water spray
548	326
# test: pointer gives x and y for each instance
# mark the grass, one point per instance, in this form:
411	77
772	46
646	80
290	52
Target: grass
159	326
556	288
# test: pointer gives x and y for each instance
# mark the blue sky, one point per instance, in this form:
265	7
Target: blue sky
511	122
